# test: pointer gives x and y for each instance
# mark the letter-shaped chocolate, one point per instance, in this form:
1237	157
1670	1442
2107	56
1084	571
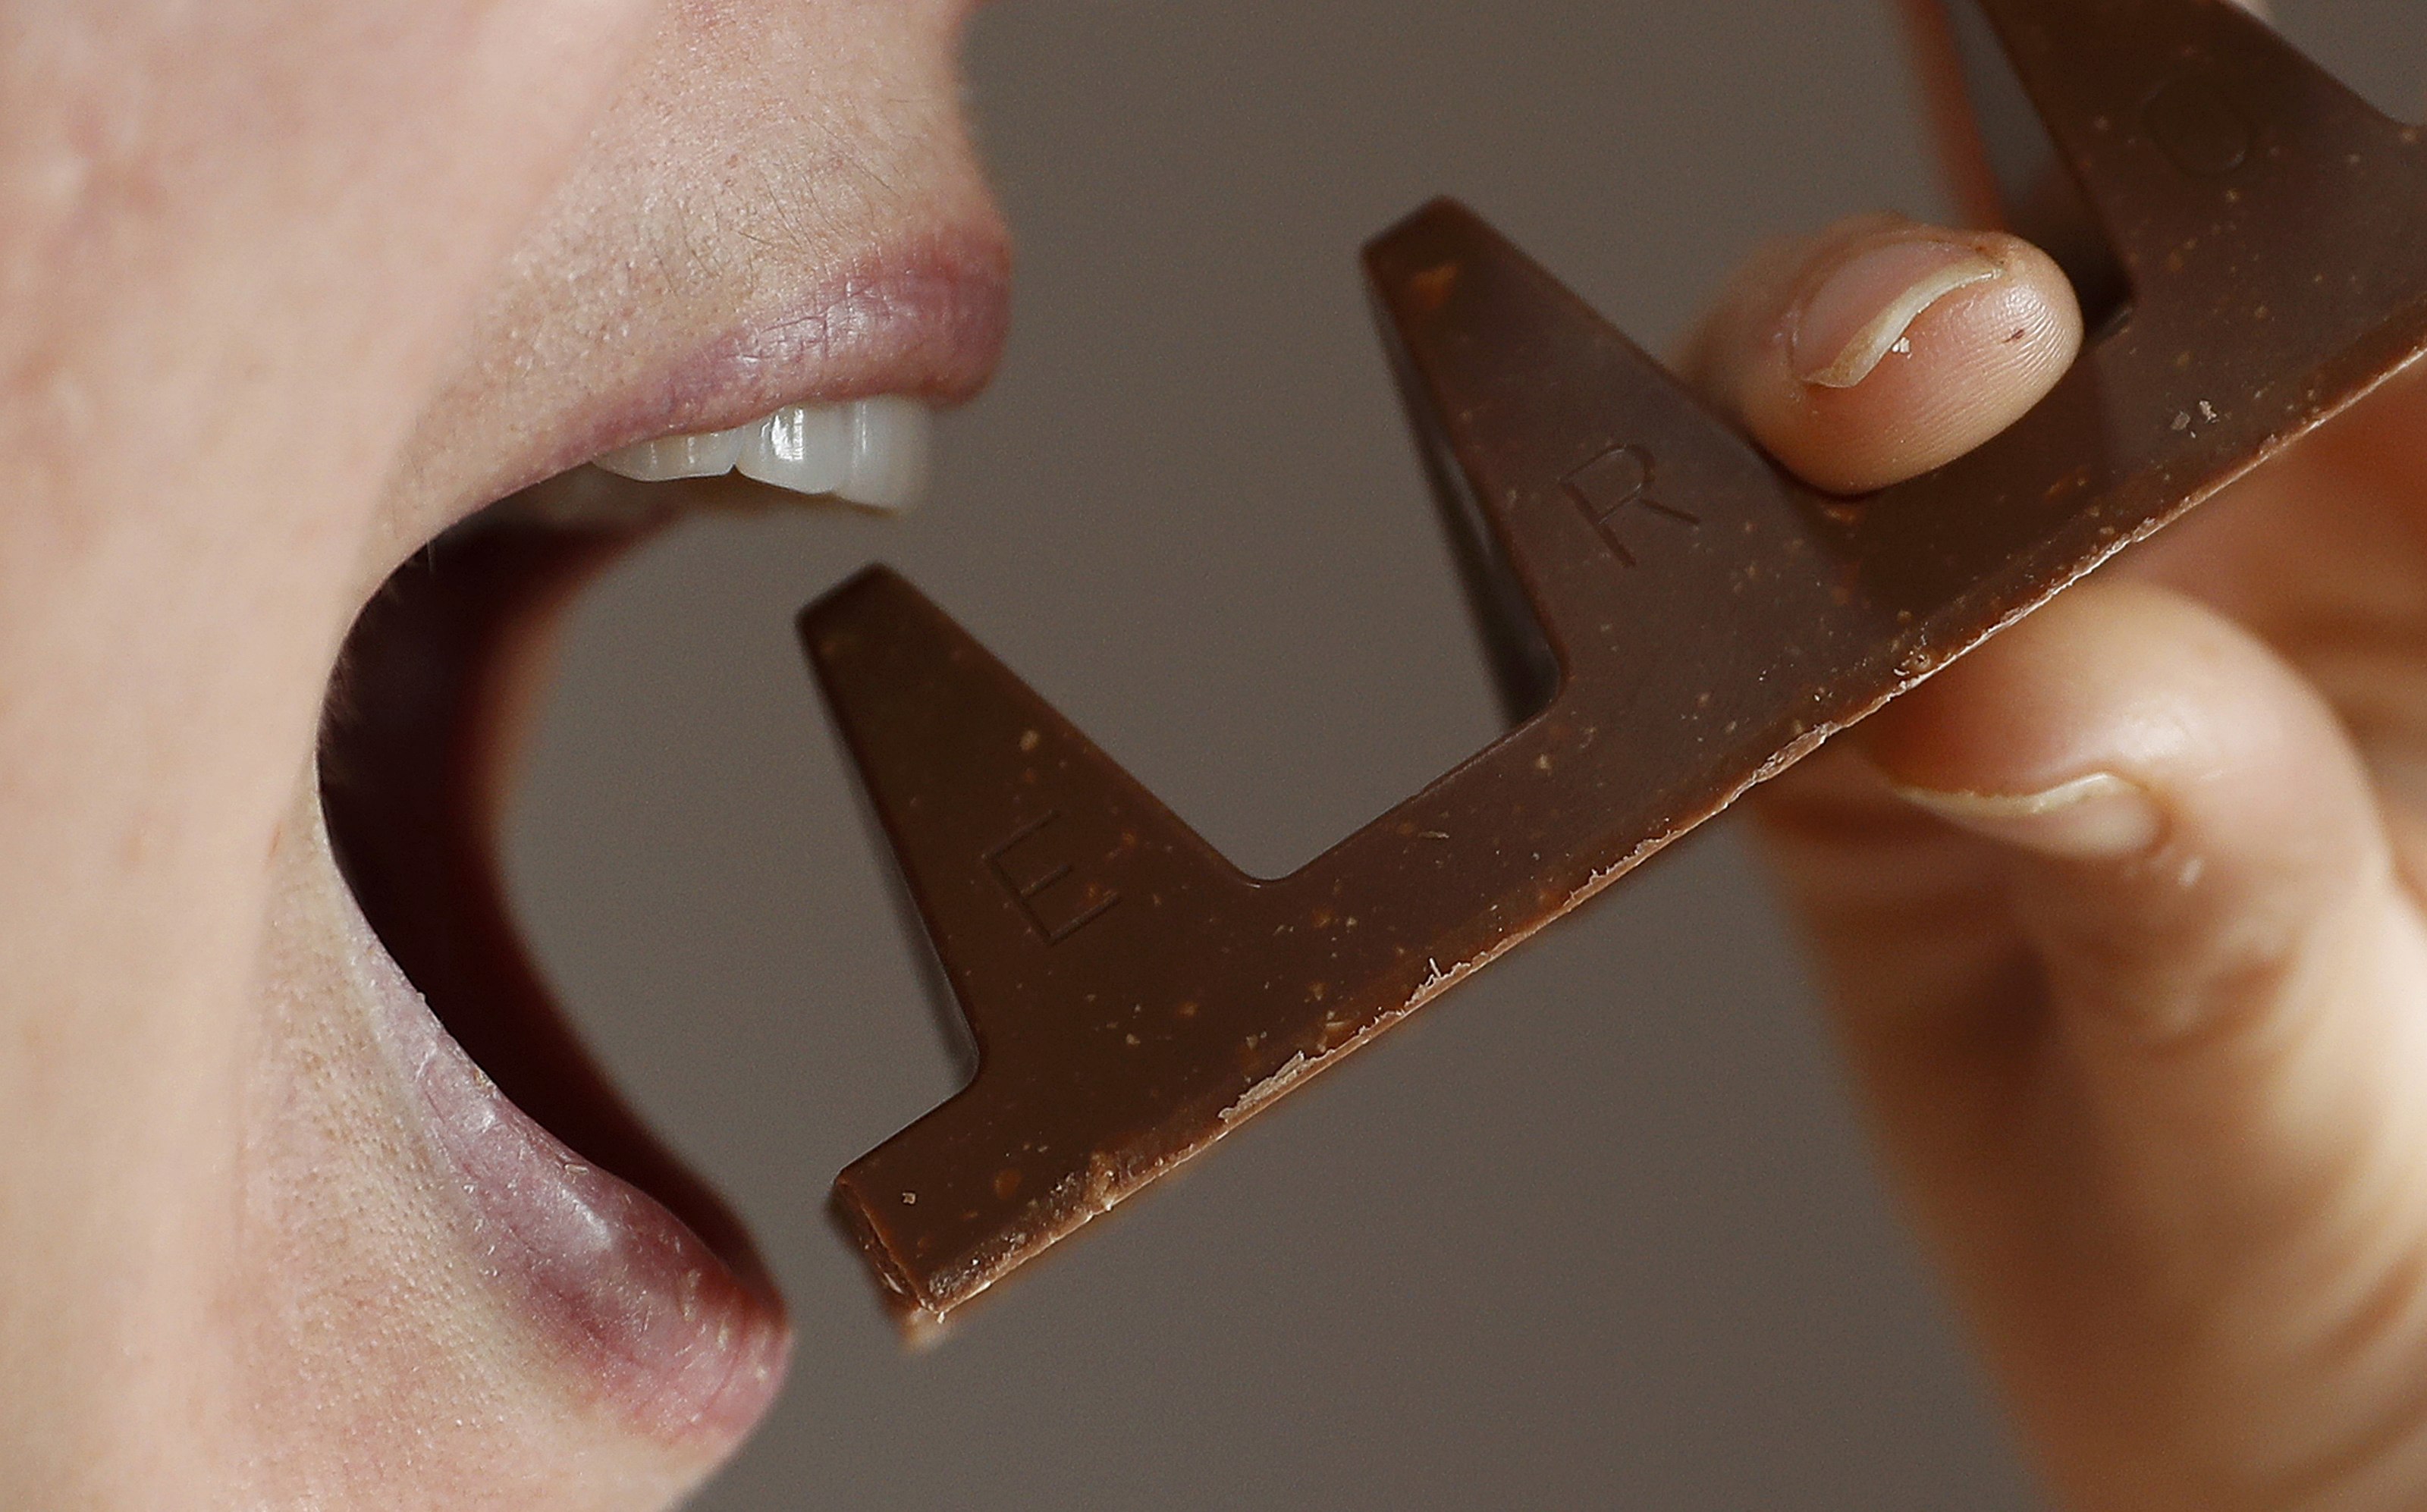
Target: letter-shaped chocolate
1677	618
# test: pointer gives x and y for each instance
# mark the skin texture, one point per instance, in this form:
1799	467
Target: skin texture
2121	912
344	274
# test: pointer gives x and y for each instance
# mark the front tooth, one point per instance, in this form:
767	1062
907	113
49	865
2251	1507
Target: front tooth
891	439
710	454
805	448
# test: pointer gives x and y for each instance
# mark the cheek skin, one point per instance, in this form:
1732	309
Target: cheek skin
235	241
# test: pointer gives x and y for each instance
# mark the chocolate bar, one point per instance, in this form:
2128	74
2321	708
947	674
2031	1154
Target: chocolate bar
1674	619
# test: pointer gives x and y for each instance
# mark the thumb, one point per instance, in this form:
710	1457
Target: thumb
2142	1009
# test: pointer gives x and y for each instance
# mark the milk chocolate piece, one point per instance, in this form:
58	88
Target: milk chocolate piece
1688	619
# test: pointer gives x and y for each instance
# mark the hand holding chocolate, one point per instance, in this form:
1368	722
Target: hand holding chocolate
1675	619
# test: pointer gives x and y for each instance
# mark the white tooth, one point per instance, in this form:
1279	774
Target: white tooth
706	455
891	439
805	448
872	451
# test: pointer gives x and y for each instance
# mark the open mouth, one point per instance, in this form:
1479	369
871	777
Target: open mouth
649	1283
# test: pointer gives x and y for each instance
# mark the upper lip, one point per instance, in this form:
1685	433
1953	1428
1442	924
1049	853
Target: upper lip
926	317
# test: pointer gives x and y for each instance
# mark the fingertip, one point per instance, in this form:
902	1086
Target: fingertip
2180	802
2098	816
1861	309
1893	349
2111	677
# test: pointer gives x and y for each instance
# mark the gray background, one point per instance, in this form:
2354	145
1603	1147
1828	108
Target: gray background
1598	1230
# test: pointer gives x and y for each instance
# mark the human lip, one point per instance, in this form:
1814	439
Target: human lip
670	1335
639	1287
615	1262
629	1270
919	325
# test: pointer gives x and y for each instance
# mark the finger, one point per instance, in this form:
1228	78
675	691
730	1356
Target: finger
1883	348
2157	1102
2179	800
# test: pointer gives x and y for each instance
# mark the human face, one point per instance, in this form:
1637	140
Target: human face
283	296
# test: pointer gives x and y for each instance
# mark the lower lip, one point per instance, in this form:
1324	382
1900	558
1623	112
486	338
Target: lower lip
644	1310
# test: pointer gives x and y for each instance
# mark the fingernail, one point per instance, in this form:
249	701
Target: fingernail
1860	311
2098	818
